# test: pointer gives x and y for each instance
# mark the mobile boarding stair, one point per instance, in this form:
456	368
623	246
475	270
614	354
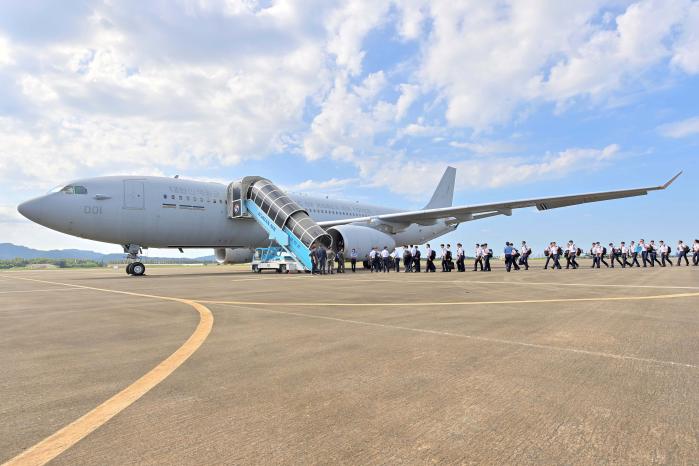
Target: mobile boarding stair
285	221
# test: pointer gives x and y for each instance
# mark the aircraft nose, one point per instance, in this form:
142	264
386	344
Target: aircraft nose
31	209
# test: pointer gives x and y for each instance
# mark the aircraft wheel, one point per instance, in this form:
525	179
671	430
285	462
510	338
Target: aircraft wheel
128	269
138	269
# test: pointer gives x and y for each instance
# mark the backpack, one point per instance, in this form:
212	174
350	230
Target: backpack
579	252
433	255
686	248
560	251
604	251
546	252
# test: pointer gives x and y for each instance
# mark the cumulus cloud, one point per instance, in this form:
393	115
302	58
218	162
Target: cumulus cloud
315	186
680	129
119	87
419	176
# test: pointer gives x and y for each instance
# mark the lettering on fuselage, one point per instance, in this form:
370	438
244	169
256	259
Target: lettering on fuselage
92	210
189	190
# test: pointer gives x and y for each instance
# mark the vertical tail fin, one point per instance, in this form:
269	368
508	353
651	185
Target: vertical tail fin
444	194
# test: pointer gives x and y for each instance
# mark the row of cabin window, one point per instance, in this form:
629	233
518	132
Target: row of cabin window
325	211
193	199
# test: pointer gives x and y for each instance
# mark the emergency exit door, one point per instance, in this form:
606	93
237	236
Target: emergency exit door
134	194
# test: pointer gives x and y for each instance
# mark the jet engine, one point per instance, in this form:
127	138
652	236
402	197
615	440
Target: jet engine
233	256
360	238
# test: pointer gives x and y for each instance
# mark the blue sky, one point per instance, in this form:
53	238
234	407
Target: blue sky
366	100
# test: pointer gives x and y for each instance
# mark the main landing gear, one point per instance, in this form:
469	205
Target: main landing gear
135	268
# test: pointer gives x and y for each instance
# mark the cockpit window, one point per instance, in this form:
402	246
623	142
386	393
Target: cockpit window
74	189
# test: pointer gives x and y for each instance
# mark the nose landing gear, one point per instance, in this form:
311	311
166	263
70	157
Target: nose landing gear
135	268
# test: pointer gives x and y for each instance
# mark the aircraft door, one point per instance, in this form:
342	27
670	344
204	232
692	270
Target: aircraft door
134	194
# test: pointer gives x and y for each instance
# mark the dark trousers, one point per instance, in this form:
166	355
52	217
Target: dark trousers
680	255
353	262
549	258
416	265
634	259
524	260
695	258
430	266
595	261
644	258
460	264
487	263
666	259
654	258
385	265
615	257
321	266
478	261
508	261
556	263
444	264
601	258
571	262
397	261
624	262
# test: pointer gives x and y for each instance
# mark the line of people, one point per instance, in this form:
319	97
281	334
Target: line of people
625	256
383	260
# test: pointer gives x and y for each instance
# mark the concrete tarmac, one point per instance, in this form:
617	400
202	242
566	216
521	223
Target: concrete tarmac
530	367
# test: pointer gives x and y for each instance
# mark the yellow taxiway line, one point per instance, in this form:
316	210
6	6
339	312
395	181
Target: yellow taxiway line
60	441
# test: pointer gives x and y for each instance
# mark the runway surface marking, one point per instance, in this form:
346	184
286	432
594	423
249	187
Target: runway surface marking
452	303
60	441
485	282
36	291
478	282
474	337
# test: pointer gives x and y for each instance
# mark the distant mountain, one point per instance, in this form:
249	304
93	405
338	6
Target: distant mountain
13	251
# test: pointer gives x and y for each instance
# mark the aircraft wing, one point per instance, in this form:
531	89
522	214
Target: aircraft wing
460	214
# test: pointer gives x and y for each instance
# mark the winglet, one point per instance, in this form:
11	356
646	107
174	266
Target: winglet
672	180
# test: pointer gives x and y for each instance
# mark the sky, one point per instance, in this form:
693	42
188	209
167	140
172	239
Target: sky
366	100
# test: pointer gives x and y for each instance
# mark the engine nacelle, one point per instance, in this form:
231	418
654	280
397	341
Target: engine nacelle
233	256
360	238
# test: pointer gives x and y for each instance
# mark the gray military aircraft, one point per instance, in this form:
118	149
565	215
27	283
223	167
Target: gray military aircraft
142	212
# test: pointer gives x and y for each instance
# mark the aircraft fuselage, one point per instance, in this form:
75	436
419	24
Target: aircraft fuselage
177	213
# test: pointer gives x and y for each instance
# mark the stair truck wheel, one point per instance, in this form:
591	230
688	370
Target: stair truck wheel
128	269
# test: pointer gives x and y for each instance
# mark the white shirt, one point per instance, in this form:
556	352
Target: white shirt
428	252
524	249
680	247
624	249
384	253
444	252
572	249
644	246
459	252
479	251
663	248
413	250
372	254
695	248
353	254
